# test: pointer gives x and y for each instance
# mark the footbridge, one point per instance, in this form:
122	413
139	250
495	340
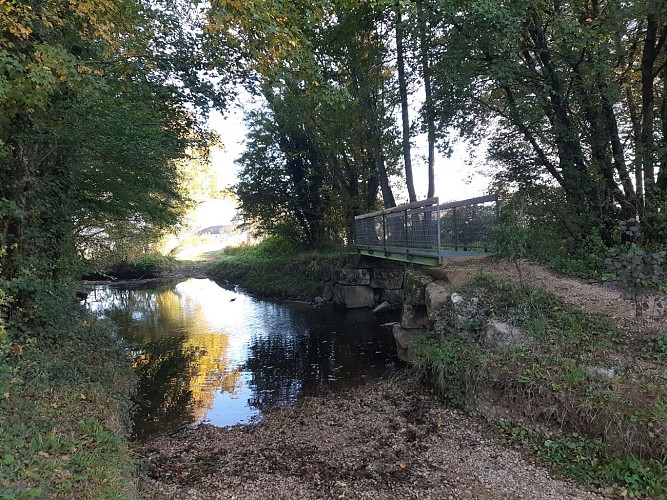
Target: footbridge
427	232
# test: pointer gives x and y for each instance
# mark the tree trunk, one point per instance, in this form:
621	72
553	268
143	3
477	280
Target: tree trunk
637	131
429	114
403	91
649	54
662	173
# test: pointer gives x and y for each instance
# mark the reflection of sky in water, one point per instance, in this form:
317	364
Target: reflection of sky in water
206	353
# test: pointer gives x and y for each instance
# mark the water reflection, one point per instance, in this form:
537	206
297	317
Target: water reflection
206	353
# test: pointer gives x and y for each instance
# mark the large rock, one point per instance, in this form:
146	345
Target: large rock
352	276
414	317
501	335
404	338
415	288
468	313
460	314
436	298
387	278
393	296
328	291
354	296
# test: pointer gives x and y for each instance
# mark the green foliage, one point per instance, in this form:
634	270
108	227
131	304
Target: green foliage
639	274
96	107
446	365
591	461
638	271
319	151
277	268
147	266
661	346
270	248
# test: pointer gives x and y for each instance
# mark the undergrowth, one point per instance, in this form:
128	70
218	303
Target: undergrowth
591	461
64	405
569	369
277	269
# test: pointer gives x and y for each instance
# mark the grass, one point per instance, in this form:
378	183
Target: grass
591	461
570	371
276	269
64	410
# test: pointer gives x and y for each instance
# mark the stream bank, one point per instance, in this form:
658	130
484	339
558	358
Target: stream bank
586	341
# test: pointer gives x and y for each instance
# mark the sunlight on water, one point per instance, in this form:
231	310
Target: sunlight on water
204	353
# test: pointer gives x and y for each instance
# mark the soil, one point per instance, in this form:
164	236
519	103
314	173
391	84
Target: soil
385	440
388	439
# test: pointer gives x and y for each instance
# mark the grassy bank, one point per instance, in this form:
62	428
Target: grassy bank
147	266
276	269
575	390
64	409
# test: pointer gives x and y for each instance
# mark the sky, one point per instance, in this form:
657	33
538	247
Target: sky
456	178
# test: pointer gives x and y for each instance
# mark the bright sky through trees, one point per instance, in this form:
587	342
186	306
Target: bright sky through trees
457	178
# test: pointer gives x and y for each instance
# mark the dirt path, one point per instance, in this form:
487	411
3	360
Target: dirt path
386	440
592	298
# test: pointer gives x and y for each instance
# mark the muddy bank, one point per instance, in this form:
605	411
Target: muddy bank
388	439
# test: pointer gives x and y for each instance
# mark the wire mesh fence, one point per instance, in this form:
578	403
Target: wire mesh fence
428	228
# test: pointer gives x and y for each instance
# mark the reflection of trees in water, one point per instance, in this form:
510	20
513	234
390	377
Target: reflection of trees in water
313	351
183	363
164	397
180	362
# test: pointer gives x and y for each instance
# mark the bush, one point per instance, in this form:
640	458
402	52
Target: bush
277	268
147	266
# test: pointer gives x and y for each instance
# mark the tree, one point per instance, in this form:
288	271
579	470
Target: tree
323	83
403	93
554	77
429	112
93	118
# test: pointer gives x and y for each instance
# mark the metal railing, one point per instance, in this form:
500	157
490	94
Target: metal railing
425	230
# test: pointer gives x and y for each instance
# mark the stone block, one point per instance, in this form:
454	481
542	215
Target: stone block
393	296
328	291
500	335
354	296
436	298
386	278
383	307
404	338
352	276
415	288
414	317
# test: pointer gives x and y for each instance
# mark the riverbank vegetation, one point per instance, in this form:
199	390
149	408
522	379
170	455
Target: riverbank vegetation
64	408
101	139
575	390
277	268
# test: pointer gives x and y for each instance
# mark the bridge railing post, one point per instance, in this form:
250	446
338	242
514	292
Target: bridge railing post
438	232
384	232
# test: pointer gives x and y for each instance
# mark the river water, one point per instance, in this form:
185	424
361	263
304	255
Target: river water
206	353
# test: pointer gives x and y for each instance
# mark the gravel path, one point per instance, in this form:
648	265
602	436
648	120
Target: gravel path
386	440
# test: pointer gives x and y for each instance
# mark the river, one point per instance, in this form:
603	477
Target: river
204	353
